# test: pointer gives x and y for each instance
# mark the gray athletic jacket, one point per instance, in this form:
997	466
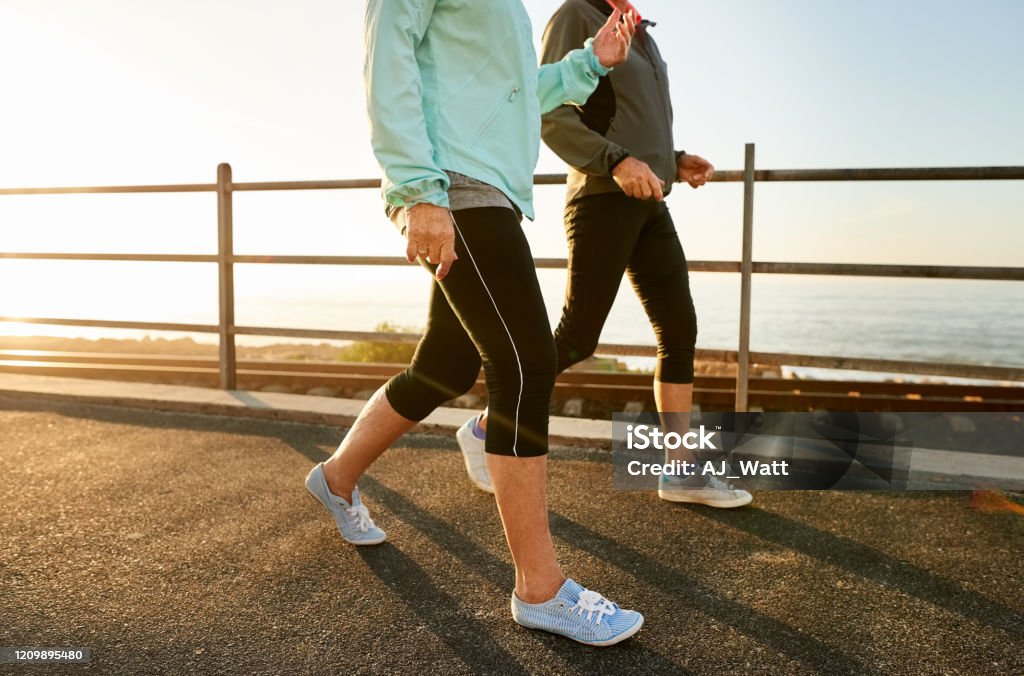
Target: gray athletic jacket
630	113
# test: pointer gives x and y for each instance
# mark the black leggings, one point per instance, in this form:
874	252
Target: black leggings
488	310
608	235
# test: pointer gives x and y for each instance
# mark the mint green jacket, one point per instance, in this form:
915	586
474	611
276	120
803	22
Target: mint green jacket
454	85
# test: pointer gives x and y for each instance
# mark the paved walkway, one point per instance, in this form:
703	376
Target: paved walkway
185	543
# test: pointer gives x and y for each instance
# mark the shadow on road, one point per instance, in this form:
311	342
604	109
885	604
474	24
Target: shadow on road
870	563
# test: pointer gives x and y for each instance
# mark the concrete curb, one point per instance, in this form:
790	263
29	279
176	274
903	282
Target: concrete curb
591	434
265	405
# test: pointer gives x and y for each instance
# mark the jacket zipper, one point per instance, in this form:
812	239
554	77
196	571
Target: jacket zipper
509	98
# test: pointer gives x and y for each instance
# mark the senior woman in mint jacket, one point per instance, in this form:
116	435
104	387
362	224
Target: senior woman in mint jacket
455	97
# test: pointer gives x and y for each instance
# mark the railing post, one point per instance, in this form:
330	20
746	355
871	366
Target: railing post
226	276
746	274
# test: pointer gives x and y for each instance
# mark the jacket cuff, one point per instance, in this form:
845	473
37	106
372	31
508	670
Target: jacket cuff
594	62
616	159
427	191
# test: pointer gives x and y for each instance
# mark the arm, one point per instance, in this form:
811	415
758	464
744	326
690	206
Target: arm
693	169
398	130
578	145
571	80
394	95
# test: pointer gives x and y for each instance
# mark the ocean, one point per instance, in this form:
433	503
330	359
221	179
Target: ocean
974	322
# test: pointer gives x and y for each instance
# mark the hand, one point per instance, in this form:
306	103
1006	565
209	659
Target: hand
611	44
637	180
431	237
693	169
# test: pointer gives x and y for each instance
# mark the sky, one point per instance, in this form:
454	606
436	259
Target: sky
147	91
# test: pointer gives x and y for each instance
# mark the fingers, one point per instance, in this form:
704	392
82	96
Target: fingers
610	24
624	32
644	189
628	26
447	258
708	170
411	250
657	188
700	179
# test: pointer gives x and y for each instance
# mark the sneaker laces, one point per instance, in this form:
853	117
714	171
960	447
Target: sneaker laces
592	603
360	515
717	484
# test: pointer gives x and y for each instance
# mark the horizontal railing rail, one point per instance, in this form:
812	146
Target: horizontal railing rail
226	259
817	269
721	176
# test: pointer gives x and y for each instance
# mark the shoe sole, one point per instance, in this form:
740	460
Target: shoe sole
693	497
357	543
486	488
597	644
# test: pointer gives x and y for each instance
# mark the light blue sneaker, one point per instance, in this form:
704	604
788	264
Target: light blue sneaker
580	614
354	522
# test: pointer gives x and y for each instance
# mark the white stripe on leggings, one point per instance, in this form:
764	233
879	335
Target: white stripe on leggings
515	437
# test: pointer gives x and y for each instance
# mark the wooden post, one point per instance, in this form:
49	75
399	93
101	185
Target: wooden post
226	277
746	274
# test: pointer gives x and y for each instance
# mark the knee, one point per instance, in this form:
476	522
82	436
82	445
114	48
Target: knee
676	349
573	350
463	379
678	331
450	379
540	364
531	367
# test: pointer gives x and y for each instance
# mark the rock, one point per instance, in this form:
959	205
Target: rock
276	389
573	408
634	407
323	392
467	401
961	424
363	395
891	422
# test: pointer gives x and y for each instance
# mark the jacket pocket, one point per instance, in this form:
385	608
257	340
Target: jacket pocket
506	98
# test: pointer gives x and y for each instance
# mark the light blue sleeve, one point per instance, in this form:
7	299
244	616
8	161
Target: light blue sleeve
571	80
394	98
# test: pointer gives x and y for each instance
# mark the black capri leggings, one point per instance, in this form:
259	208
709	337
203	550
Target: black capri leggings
488	310
610	234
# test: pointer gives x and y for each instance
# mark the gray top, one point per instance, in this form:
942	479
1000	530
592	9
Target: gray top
463	193
628	115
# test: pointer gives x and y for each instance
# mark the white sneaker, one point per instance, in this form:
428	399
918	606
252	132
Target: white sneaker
714	492
473	454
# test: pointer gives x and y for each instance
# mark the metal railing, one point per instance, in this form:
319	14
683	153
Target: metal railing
226	259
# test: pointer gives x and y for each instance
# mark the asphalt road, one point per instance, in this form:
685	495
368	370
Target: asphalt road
171	543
